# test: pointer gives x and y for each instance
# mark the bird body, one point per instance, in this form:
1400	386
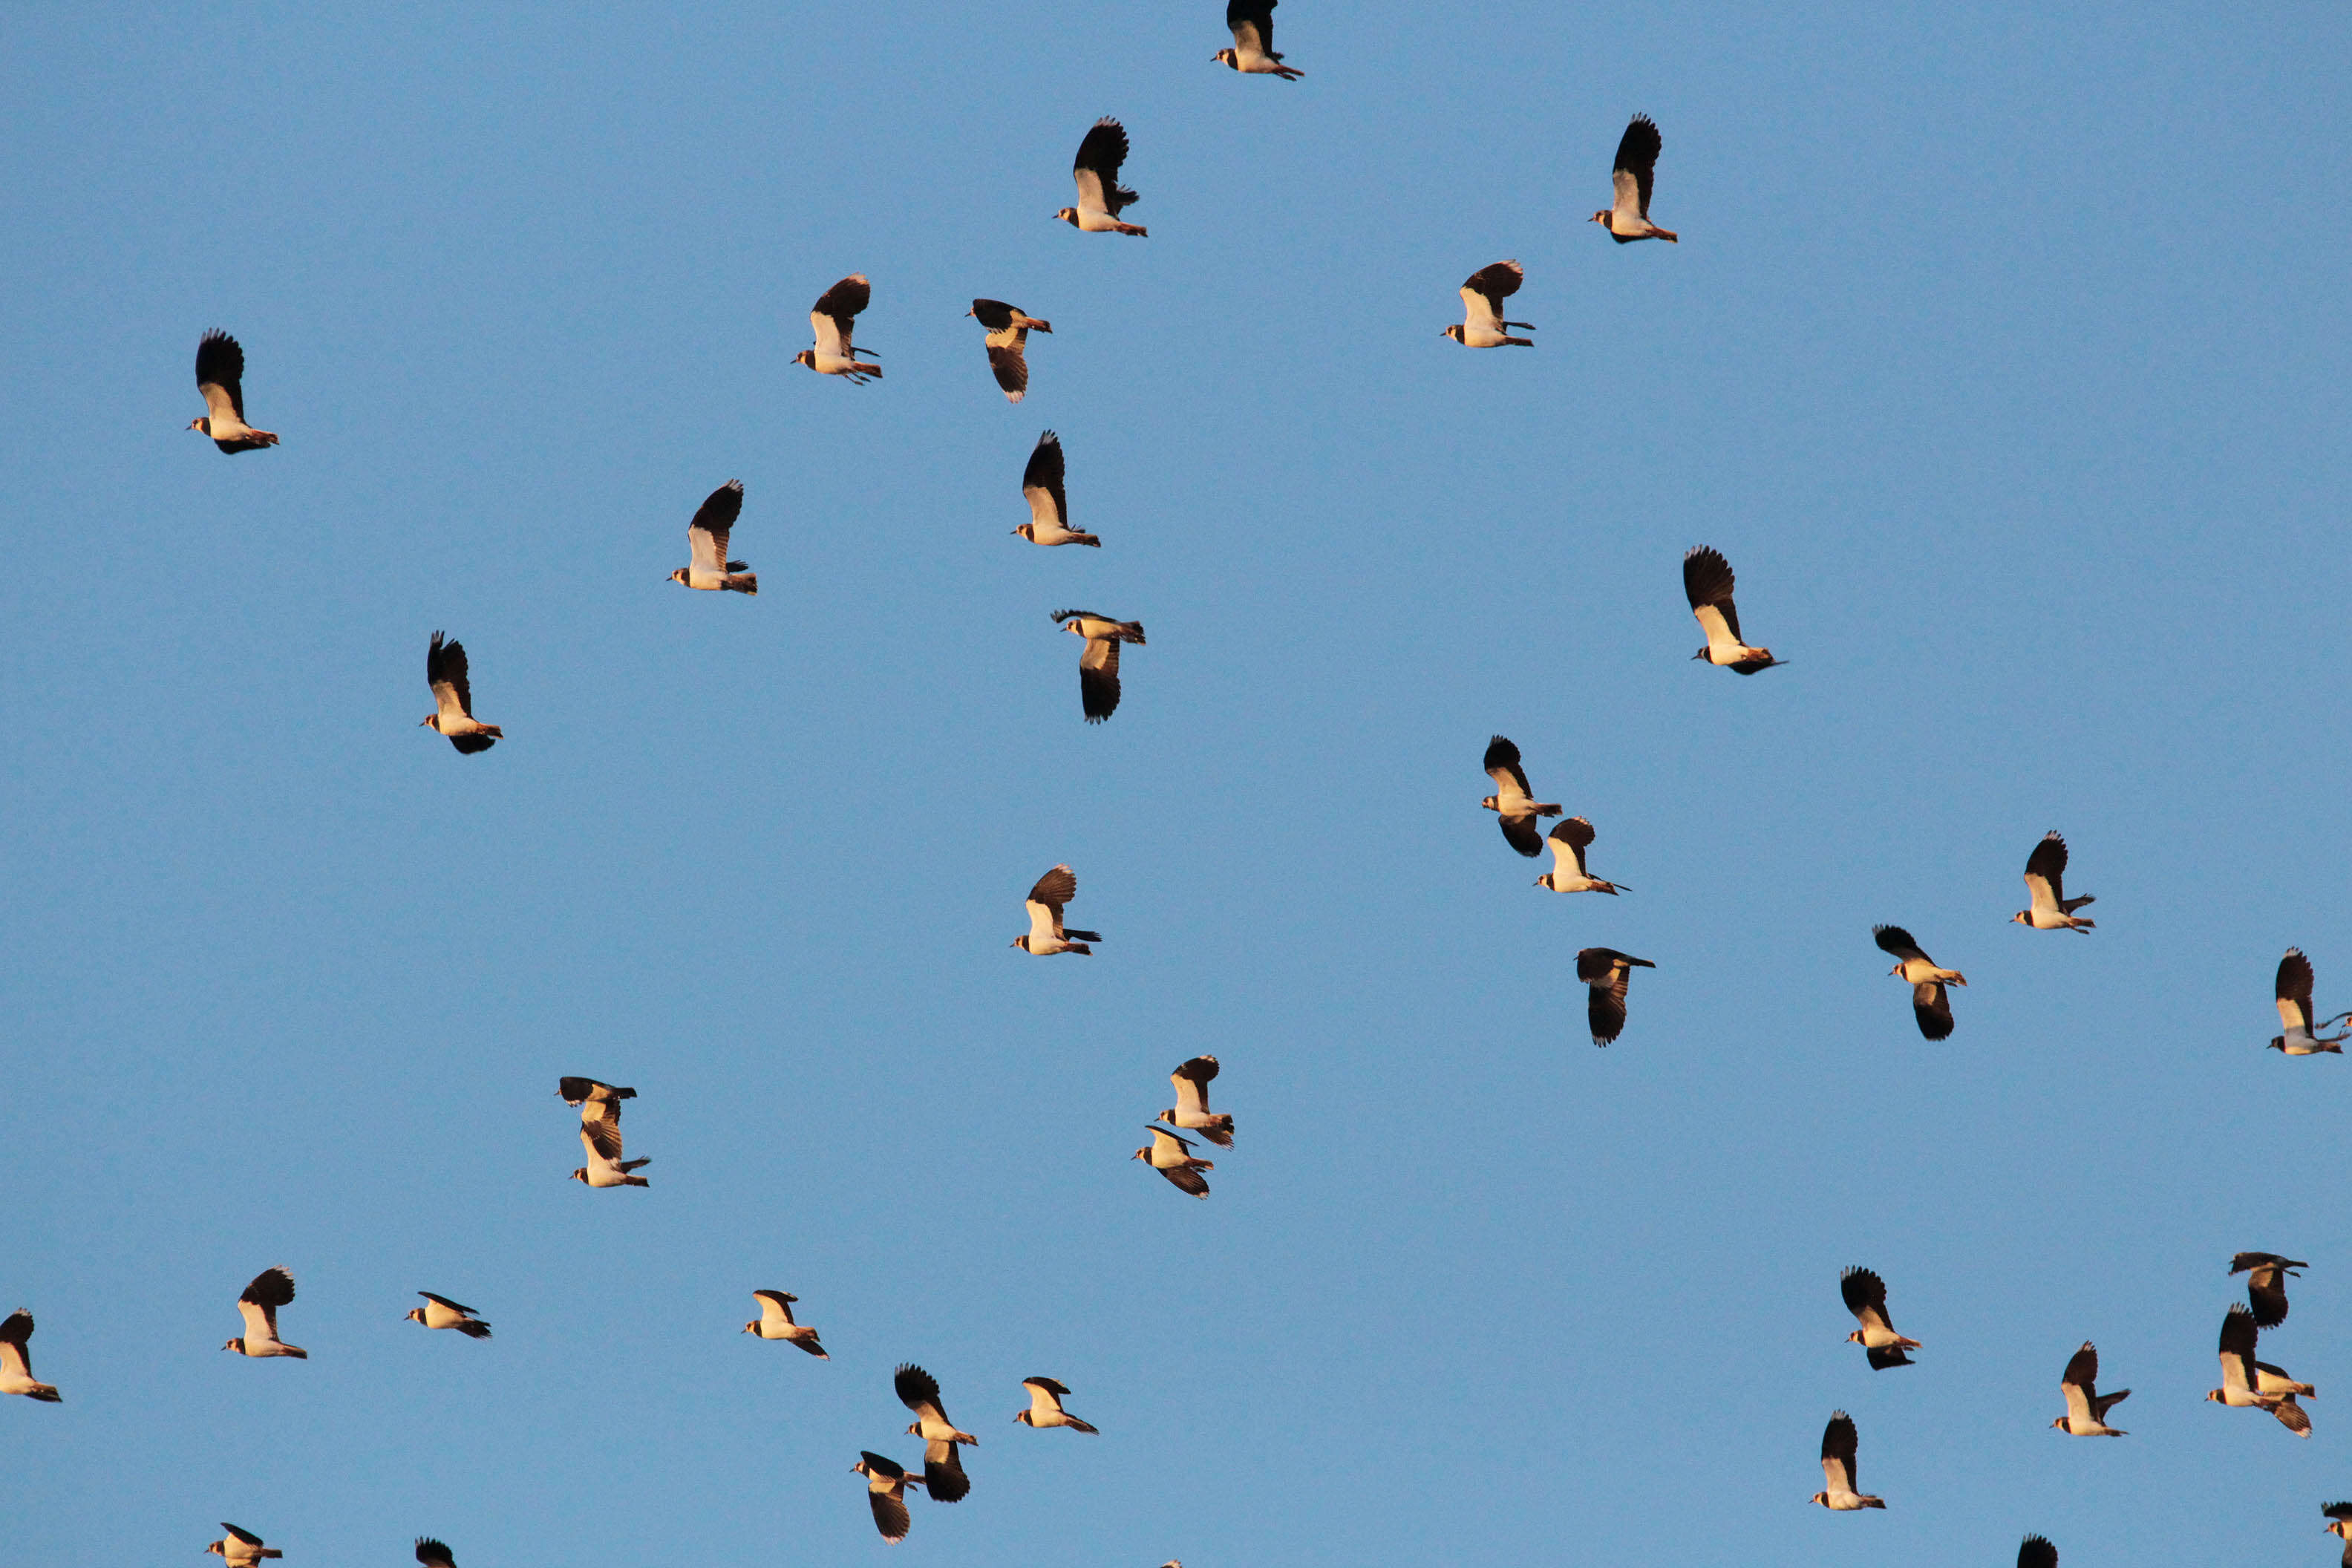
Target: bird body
1192	1111
1708	584
2045	874
440	1312
1046	1397
453	700
220	378
1483	293
1049	505
1865	1297
1101	198
885	1490
834	320
241	1548
1007	343
1253	53
1172	1156
2301	1036
1098	664
1046	934
2247	1384
1569	842
943	1475
775	1322
2086	1407
271	1289
1514	805
1606	974
706	538
16	1361
1930	1003
1838	1445
1628	217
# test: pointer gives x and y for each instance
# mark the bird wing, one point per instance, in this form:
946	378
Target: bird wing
1569	842
714	520
774	1305
1896	940
220	375
1708	584
445	672
1637	159
1054	890
1009	365
2239	1337
602	1140
1185	1179
943	1475
2294	990
1095	169
1098	678
2266	1294
2080	1382
1166	1144
433	1554
2045	871
1191	1082
1932	1006
1484	291
246	1536
1865	1298
890	1515
1041	482
1838	1444
833	317
1606	974
919	1390
2035	1551
444	1302
1045	1395
1252	22
1502	766
994	315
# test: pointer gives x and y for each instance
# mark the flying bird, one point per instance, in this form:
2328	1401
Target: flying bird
1172	1156
834	321
1252	22
2045	874
1708	585
271	1289
1007	341
2266	1275
453	700
1513	804
433	1554
1483	293
705	541
605	1168
2302	1037
2248	1383
1046	1397
1098	664
220	377
241	1548
440	1312
1838	1442
1569	842
2035	1551
1637	160
2086	1407
1049	508
2341	1512
943	1475
775	1322
885	1490
1046	934
1606	972
16	1361
1192	1111
1101	198
1865	1298
1930	1001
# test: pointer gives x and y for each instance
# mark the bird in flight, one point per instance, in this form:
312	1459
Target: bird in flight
220	378
2045	886
886	1482
1252	22
943	1475
1101	198
833	320
453	700
1483	293
1569	842
2302	1037
2248	1383
1192	1111
1513	804
706	542
1838	1444
1172	1156
271	1289
1637	158
1098	664
775	1322
16	1361
1046	934
1049	507
2266	1275
1606	972
440	1312
1930	1003
1046	1397
241	1548
1708	585
2086	1407
1865	1298
1007	341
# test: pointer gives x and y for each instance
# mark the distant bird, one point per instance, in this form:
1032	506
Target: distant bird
1192	1111
1708	584
2035	1551
1101	198
2341	1512
271	1289
1930	1001
1007	342
1045	1398
1838	1442
1172	1156
1865	1298
775	1322
1252	22
1513	803
2045	873
1637	161
1098	664
440	1312
220	377
943	1475
605	1168
433	1554
834	321
1049	509
885	1490
2248	1383
2086	1407
2302	1037
2266	1275
241	1548
706	542
16	1361
1569	842
452	699
1483	293
1046	934
1606	972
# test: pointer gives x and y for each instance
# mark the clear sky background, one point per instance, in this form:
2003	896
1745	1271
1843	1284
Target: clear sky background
2003	355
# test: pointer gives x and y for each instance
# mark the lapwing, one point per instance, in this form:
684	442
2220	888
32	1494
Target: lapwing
1569	842
1046	934
943	1475
1483	293
706	542
1098	664
2248	1383
2302	1037
1101	198
2045	885
1637	160
220	377
1046	1397
775	1322
1606	972
885	1490
1708	584
1049	508
241	1548
16	1361
433	1554
1865	1298
271	1289
1007	341
1252	22
1192	1111
834	321
605	1168
2086	1407
1172	1156
2035	1551
2341	1512
440	1312
1513	803
453	700
1838	1442
1930	1001
2266	1275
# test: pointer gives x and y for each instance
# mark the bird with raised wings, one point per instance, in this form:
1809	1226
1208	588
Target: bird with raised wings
775	1322
599	1134
1046	1397
2045	886
2248	1383
1101	198
16	1360
241	1548
1049	506
943	1475
440	1312
1865	1298
1628	218
1006	339
1931	1004
2302	1037
886	1482
453	700
1252	54
1098	664
1708	584
271	1289
1046	934
220	378
2266	1275
2086	1407
1606	972
833	320
1569	842
1483	293
705	541
1172	1156
1838	1473
1513	803
1192	1111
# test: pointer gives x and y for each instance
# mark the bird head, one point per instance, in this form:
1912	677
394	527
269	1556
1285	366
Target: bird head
752	1326
205	425
415	1315
1820	1497
2212	1395
677	576
914	1429
1492	803
1454	332
1897	969
1600	217
1022	1416
1068	215
216	1550
1226	57
1075	626
2278	1044
580	1176
1027	531
1141	1154
1169	1116
859	1469
236	1344
1700	654
430	721
1854	1338
2060	1423
1022	941
807	357
2022	918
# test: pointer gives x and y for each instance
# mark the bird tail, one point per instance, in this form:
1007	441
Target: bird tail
1080	1425
1136	229
1552	810
1529	344
1874	1502
1523	326
1287	73
1081	948
742	582
1083	935
473	1329
813	1348
633	1164
1077	537
271	1551
1220	1132
1611	888
47	1395
1034	325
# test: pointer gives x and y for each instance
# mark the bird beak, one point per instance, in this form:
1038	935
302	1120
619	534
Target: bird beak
421	723
1700	654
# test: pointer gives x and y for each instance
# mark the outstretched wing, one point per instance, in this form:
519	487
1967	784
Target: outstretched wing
445	672
1041	482
2294	990
1707	582
220	375
1095	169
714	520
833	317
2045	872
1637	159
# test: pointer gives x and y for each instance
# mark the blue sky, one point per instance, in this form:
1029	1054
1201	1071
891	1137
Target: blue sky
2003	356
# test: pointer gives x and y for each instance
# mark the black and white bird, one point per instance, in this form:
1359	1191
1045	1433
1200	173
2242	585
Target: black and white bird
1606	972
1046	934
1865	1298
943	1475
1708	584
834	321
1838	1443
599	1134
1483	293
1513	803
1192	1111
1637	160
1172	1156
597	1100
2341	1512
1046	1397
1101	198
2086	1407
1007	341
1049	507
2045	886
2266	1275
1930	1003
2302	1037
885	1490
1569	842
706	542
453	700
440	1312
271	1289
2248	1383
241	1548
433	1554
775	1322
16	1361
1098	664
1252	22
220	377
2035	1551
